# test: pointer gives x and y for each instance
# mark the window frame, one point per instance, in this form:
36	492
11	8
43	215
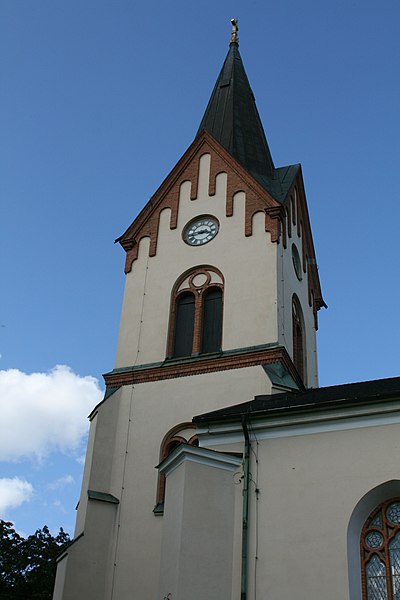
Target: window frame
299	341
168	444
199	292
211	326
184	323
389	532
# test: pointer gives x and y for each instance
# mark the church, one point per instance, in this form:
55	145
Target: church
216	467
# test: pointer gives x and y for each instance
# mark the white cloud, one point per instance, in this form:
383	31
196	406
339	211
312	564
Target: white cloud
13	492
44	412
81	459
60	483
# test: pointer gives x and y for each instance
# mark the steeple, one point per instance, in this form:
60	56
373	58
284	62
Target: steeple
232	118
220	306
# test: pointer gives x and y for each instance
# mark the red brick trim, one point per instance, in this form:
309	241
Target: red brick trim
198	292
238	180
200	365
171	438
277	218
187	169
193	441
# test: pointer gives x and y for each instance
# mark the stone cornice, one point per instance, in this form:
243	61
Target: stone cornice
296	420
202	456
196	365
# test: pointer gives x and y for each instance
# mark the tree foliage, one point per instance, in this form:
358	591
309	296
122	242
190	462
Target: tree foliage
28	566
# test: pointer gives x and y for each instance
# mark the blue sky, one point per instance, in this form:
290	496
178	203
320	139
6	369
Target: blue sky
99	100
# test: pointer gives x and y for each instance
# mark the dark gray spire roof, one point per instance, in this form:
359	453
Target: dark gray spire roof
232	118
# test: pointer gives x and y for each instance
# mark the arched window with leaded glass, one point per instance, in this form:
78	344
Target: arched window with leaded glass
380	553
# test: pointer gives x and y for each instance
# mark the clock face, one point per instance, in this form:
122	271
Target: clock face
200	231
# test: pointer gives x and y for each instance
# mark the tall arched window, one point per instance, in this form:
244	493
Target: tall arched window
196	313
380	553
185	304
212	320
299	341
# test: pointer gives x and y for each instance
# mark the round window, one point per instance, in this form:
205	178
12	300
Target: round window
296	262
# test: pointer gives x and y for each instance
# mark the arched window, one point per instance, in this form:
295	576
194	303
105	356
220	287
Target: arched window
380	553
180	434
212	320
196	313
185	304
299	341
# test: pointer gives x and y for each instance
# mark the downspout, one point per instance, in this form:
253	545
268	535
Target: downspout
245	516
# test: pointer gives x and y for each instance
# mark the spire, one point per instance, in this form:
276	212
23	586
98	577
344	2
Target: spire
232	118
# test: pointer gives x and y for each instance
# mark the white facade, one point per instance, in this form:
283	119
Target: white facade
147	298
290	284
315	480
133	539
128	427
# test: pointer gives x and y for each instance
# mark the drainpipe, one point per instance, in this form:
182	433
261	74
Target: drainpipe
245	517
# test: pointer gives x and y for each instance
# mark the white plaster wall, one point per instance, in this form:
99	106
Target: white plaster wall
88	574
60	578
83	499
171	536
198	533
309	486
249	265
288	284
153	409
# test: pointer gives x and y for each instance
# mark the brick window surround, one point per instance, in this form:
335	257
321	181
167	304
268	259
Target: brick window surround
197	281
171	440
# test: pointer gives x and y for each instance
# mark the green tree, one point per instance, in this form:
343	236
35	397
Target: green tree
12	561
27	566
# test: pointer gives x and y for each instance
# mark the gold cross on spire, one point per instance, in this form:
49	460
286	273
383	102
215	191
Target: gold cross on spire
235	29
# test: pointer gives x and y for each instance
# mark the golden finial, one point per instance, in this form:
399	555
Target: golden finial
235	29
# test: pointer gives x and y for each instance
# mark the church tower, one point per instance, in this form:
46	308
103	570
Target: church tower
220	305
